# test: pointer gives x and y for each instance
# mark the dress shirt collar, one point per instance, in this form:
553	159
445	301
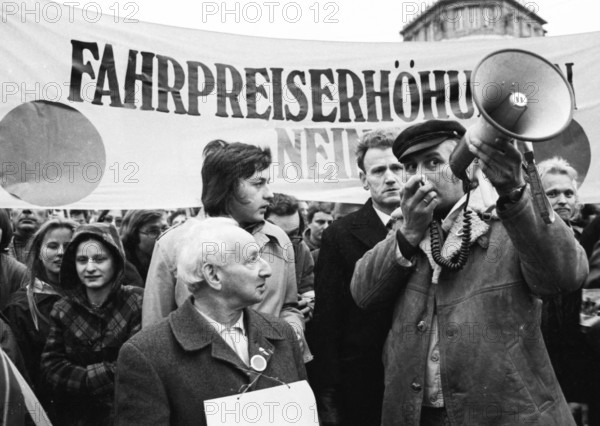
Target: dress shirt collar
221	328
384	217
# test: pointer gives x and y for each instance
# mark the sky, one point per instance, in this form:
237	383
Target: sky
339	20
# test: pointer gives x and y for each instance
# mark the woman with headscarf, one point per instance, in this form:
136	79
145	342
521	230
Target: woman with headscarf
88	326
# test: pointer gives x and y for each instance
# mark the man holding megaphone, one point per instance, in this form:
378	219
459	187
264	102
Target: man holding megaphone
465	346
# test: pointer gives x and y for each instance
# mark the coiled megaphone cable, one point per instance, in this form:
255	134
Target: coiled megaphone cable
463	253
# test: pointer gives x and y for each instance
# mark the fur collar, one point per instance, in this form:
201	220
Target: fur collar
452	225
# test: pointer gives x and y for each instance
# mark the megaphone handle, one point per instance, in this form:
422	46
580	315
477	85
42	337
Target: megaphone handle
539	197
461	158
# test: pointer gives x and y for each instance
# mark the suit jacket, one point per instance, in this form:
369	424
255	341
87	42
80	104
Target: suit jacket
347	341
166	371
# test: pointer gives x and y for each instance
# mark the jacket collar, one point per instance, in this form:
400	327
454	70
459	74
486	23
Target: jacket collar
366	225
263	233
193	333
306	238
41	287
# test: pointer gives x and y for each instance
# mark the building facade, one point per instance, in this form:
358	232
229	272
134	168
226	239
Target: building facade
471	19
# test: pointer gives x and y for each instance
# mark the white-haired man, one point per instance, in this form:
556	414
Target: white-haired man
571	357
559	180
210	346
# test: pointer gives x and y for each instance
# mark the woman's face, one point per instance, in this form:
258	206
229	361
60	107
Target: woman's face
95	264
53	248
148	234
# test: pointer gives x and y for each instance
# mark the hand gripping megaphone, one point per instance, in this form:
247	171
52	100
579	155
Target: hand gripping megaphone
520	95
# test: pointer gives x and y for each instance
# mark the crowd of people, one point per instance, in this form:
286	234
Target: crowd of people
423	306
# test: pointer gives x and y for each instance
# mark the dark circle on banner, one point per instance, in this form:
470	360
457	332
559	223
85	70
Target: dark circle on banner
45	150
572	144
258	363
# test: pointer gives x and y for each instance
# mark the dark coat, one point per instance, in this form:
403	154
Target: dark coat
305	266
572	358
32	340
13	275
9	345
593	279
166	371
348	341
12	409
590	236
494	366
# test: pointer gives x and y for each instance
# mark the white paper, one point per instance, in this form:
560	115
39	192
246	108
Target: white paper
293	403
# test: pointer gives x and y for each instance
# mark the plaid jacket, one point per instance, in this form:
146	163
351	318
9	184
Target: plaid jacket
83	344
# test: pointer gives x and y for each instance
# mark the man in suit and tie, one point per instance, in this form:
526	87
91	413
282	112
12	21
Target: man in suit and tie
347	371
213	345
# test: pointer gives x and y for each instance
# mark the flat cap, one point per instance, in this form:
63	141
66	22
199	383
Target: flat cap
425	135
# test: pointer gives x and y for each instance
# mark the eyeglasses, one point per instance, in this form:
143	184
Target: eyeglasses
153	233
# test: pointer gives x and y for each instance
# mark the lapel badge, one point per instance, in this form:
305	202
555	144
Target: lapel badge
258	363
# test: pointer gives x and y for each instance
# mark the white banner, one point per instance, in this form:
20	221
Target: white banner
103	114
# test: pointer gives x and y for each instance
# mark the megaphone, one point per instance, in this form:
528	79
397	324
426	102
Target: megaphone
520	95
